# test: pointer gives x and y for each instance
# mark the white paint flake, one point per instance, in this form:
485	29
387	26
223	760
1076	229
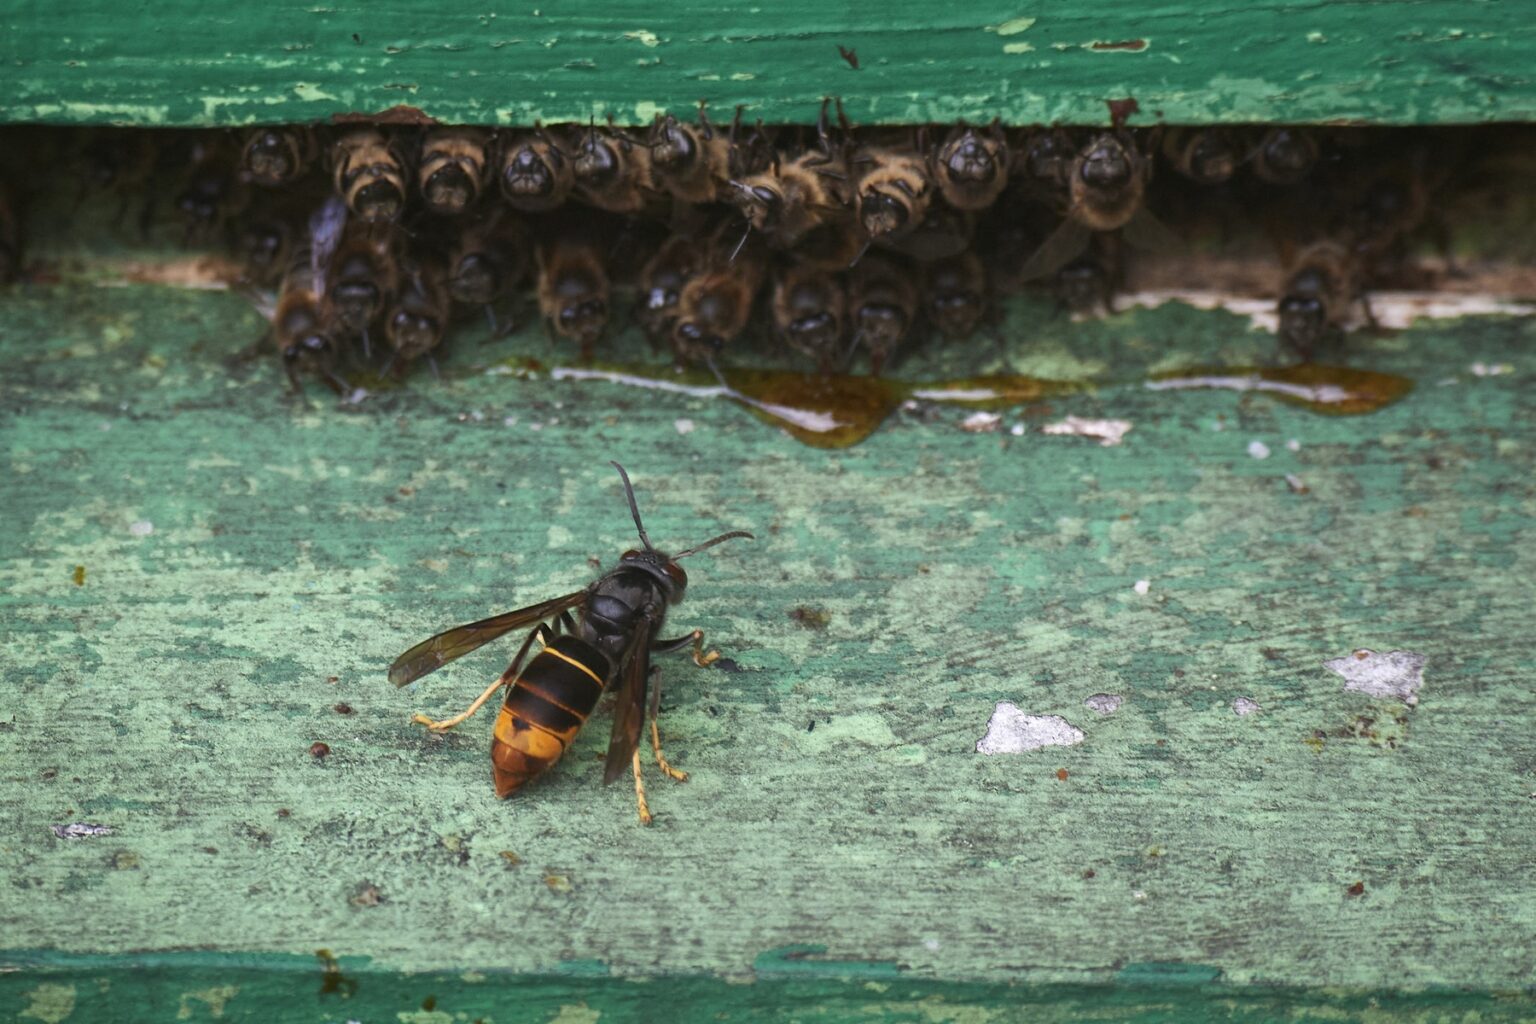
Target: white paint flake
1142	586
1011	731
981	422
1107	432
1296	484
1245	706
1293	445
81	830
1104	703
1394	674
1017	430
141	528
1258	449
683	426
1491	369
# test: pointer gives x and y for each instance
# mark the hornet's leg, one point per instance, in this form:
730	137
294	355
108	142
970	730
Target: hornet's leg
642	808
542	633
696	638
661	760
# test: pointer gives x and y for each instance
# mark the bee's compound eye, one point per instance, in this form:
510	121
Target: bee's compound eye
766	196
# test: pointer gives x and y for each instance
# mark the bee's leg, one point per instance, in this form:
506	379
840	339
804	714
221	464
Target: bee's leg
661	759
542	633
642	808
701	658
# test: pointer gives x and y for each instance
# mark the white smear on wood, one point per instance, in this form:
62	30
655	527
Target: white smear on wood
1245	706
141	528
81	830
981	422
1394	674
1324	394
1104	703
683	426
1011	731
1142	586
1258	449
1392	309
1491	369
1107	432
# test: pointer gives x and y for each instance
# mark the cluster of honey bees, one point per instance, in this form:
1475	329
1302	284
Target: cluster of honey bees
365	242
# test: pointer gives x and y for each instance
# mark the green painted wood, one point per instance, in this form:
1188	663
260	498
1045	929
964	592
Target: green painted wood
290	990
1027	61
249	565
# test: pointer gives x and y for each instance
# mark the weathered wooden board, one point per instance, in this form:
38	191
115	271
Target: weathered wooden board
249	566
1026	61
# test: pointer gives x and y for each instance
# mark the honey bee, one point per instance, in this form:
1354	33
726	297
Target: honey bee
793	197
694	162
486	264
971	169
883	301
810	309
892	196
612	171
418	319
213	192
573	289
362	282
1106	188
1319	290
716	303
298	323
1284	156
265	248
662	280
1204	155
955	295
1047	157
276	156
369	176
943	232
10	237
453	168
536	174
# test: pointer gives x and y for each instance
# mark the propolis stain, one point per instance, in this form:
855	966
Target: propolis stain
332	981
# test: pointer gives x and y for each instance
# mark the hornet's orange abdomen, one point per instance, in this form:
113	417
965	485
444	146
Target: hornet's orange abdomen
545	709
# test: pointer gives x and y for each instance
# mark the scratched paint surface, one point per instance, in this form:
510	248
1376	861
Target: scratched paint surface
250	568
1400	61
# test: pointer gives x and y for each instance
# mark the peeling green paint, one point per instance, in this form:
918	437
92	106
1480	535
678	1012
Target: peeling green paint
1390	62
49	1003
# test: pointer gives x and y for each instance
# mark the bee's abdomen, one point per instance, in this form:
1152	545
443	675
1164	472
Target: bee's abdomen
545	709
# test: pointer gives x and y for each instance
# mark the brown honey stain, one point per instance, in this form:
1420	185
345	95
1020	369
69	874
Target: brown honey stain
838	410
1127	44
79	576
834	411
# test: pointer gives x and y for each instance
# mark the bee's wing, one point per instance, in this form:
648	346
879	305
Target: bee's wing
629	710
1145	231
1063	246
435	652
